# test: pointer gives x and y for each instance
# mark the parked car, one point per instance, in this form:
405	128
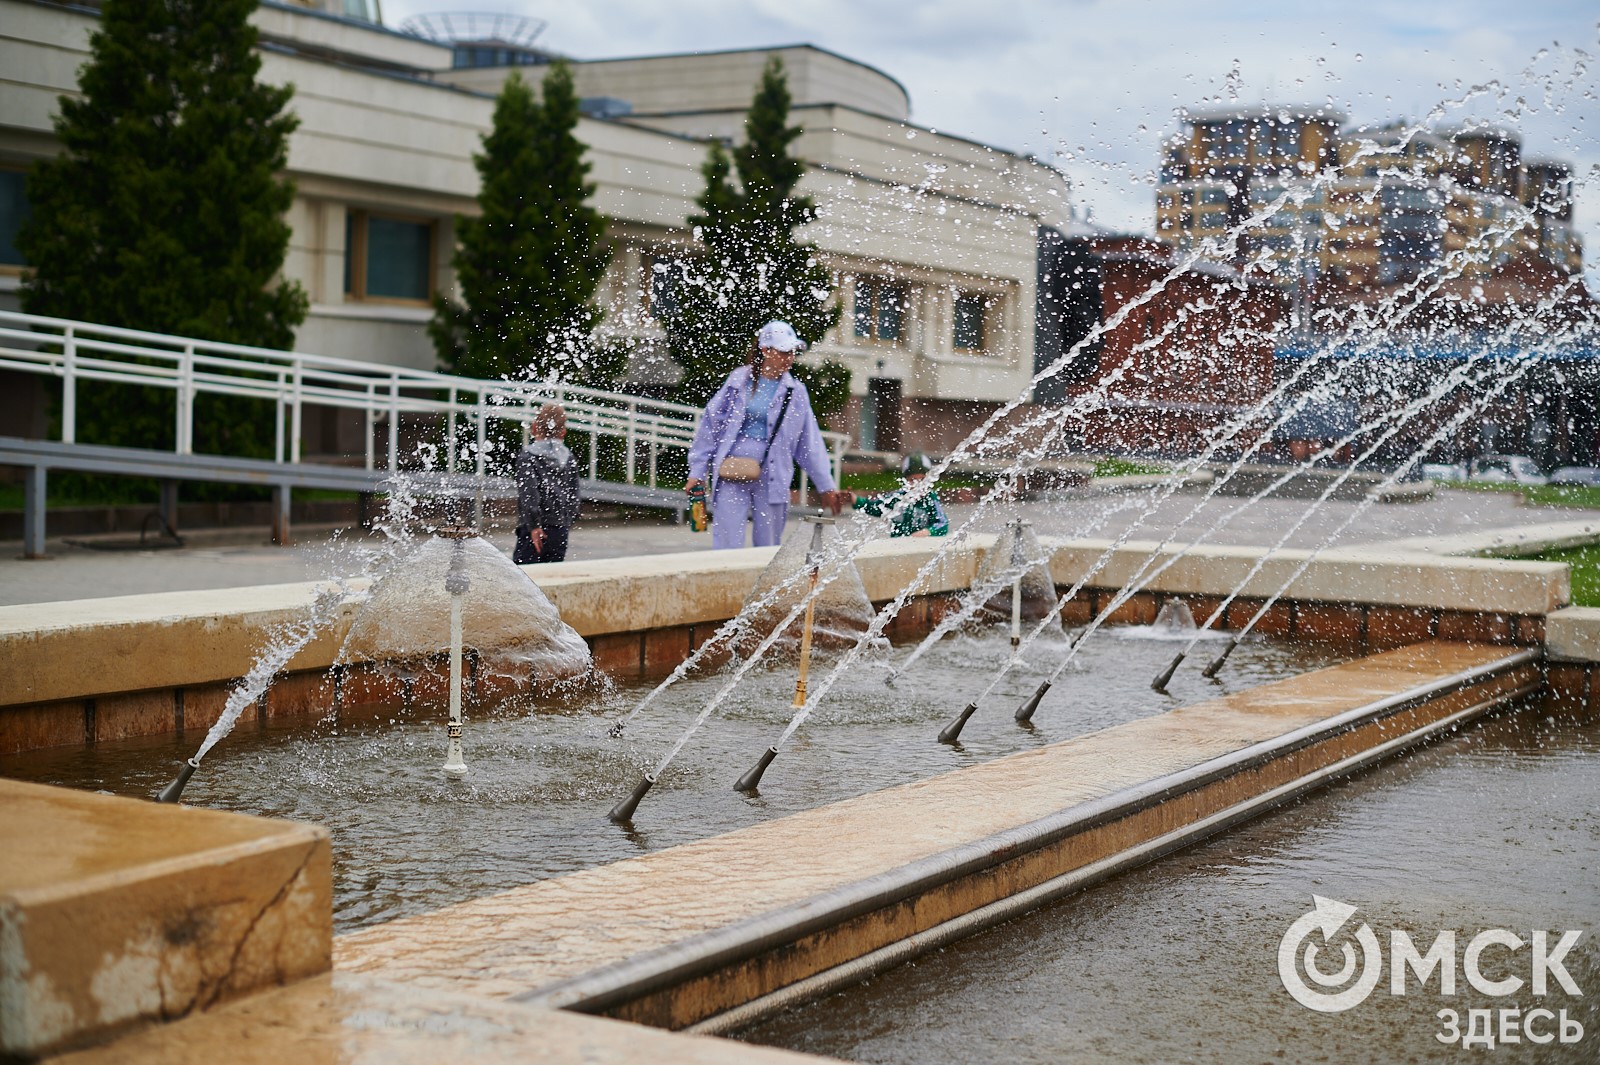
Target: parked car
1506	469
1444	471
1585	476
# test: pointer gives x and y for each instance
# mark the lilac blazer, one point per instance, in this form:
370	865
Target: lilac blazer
799	439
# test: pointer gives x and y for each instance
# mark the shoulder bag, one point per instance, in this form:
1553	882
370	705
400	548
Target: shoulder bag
743	470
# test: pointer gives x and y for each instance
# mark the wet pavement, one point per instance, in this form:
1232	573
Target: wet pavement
244	557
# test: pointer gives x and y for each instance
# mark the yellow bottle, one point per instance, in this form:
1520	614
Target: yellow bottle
698	518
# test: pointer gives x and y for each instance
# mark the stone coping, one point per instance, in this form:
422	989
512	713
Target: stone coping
545	941
1573	634
344	1018
1380	576
84	648
1502	543
116	912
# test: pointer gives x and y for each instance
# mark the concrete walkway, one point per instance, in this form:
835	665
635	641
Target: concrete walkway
244	557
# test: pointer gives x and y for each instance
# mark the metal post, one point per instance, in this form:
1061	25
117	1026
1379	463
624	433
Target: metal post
481	465
394	423
633	435
33	508
277	425
69	387
169	504
185	404
282	499
372	425
296	415
450	433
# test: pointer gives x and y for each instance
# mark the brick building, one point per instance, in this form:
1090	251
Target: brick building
1188	348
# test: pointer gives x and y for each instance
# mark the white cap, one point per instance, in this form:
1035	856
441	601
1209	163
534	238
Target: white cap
779	336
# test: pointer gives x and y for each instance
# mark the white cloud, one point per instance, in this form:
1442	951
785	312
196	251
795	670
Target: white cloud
1078	80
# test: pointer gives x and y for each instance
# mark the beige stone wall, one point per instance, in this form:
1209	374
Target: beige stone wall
710	81
943	214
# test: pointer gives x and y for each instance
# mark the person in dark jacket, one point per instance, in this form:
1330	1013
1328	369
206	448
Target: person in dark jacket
925	517
547	490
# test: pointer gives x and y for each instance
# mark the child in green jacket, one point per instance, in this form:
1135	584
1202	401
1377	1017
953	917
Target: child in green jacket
925	517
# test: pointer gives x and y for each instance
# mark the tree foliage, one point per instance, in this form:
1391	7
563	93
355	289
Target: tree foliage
753	267
529	264
165	209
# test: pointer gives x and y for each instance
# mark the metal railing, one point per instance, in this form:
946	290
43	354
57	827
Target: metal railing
387	396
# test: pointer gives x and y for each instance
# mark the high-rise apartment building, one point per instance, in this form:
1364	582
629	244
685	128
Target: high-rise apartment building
1284	192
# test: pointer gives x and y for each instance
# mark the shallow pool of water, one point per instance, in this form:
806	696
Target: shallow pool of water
406	839
1497	826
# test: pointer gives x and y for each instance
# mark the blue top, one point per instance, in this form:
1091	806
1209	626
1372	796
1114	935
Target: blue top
754	426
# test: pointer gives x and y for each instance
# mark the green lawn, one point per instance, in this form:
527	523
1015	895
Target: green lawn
1539	495
1585	563
1127	468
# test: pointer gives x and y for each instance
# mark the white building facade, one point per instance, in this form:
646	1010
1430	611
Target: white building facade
932	238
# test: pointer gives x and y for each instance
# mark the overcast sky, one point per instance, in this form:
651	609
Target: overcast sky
1097	86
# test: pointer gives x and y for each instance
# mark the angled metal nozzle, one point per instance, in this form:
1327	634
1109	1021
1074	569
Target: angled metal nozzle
752	780
1025	712
1162	678
1216	663
952	731
622	813
174	791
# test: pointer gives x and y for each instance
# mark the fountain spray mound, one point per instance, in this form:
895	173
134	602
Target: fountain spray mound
507	622
839	607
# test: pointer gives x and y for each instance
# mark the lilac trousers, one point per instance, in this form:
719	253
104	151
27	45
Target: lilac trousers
739	503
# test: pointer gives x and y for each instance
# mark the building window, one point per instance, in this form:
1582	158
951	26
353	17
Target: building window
972	310
13	212
661	293
880	309
1288	141
387	258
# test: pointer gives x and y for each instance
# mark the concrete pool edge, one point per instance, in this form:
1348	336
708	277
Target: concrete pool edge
667	987
98	670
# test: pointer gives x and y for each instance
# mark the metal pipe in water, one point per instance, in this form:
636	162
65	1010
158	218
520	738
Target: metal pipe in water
952	732
1016	611
174	791
752	779
456	583
1216	663
622	813
1025	712
1165	676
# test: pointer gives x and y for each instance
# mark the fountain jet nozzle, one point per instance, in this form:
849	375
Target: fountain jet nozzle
1216	663
456	582
1162	678
1025	712
952	732
751	781
622	813
174	791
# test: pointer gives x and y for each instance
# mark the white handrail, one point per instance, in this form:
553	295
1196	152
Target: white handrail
384	395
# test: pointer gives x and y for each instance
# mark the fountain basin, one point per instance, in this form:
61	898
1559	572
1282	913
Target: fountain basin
94	670
1359	600
114	912
723	929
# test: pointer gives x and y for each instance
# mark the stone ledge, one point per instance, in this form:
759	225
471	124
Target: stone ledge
115	912
343	1018
103	647
1573	634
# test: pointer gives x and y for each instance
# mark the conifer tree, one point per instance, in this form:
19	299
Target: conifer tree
753	268
529	264
165	209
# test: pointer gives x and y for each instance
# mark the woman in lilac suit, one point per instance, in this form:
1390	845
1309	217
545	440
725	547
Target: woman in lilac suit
763	416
